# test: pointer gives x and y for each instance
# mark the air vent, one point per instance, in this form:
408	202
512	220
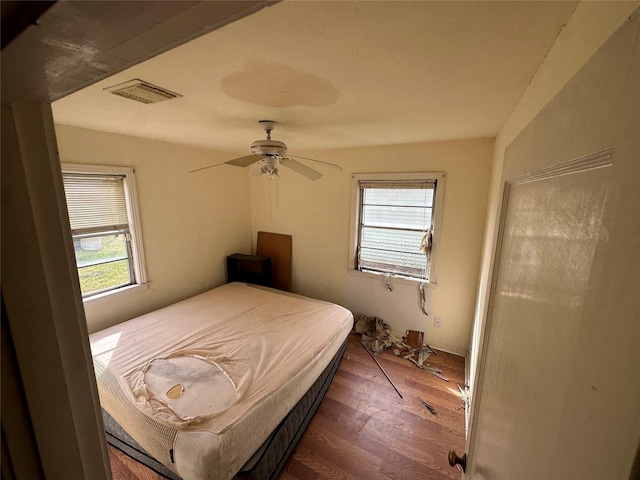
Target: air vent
141	91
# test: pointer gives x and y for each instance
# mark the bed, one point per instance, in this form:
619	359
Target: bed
221	384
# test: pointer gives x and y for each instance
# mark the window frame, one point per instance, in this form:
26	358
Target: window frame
137	260
436	220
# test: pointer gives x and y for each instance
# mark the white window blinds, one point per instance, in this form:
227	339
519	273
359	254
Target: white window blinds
96	203
395	216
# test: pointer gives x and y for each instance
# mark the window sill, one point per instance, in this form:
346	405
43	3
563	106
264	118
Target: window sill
395	278
103	298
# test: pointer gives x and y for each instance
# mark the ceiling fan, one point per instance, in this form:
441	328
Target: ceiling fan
268	155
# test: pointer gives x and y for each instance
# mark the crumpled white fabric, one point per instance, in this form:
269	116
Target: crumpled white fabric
203	388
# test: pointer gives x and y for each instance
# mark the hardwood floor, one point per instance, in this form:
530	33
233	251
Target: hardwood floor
123	467
364	430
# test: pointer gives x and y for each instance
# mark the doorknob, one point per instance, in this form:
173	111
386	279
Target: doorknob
455	459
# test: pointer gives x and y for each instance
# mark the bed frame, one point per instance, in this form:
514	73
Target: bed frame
270	458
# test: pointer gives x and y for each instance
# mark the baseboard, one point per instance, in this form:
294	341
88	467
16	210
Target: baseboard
461	352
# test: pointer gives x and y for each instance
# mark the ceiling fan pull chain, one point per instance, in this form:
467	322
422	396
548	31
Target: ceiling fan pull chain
270	200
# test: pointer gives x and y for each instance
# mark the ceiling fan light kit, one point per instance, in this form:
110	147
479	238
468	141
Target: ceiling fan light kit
268	155
268	166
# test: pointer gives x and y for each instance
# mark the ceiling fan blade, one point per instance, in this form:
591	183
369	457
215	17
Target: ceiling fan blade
301	168
333	165
245	161
237	162
204	168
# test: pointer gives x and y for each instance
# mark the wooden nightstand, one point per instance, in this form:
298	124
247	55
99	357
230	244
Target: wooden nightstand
249	268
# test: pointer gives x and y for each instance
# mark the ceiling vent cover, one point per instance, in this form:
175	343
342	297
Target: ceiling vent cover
142	91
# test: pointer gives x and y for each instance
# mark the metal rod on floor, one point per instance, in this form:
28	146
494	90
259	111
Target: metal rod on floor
380	367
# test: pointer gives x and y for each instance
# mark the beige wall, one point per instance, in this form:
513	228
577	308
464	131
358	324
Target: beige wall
190	222
212	211
318	215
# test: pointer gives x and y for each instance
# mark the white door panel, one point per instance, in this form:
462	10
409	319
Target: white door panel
550	232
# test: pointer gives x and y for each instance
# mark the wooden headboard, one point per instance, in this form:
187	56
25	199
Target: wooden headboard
277	246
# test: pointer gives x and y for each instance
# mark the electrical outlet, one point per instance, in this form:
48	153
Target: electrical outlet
437	322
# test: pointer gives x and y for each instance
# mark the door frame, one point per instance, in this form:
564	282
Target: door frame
40	289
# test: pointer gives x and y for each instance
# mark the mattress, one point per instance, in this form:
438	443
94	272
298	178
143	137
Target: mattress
201	385
269	460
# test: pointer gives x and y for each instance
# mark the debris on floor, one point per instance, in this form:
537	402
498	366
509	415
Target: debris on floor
376	335
464	396
415	339
429	406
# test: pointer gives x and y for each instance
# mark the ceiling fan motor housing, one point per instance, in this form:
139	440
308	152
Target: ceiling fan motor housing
269	147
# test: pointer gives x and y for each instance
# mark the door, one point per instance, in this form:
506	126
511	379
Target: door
558	385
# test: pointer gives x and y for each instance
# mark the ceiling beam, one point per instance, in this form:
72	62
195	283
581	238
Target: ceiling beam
71	45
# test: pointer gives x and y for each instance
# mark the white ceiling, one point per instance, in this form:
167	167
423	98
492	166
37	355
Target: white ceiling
336	74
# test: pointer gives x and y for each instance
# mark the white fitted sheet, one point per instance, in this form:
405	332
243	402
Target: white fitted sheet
261	348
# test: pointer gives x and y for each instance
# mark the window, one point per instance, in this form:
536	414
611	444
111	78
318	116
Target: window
395	231
103	214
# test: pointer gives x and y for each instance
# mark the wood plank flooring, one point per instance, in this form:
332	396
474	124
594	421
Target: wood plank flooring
364	430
